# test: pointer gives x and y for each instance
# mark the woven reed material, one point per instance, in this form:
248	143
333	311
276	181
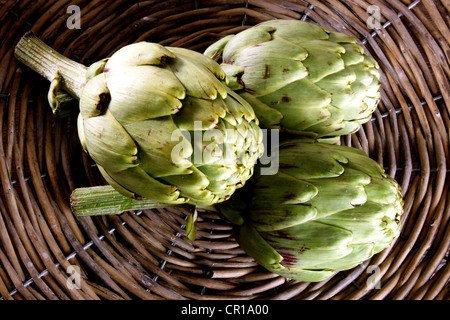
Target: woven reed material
145	255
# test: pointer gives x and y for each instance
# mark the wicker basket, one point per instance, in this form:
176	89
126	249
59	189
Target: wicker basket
145	254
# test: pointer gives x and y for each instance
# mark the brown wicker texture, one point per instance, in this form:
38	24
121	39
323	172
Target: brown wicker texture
145	254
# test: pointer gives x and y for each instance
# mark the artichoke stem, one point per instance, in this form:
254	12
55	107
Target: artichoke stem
44	60
105	200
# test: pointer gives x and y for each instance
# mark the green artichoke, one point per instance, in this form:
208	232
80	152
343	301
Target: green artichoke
301	78
161	125
159	122
328	208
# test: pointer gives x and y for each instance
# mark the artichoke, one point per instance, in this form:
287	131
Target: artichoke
159	122
301	78
327	209
161	125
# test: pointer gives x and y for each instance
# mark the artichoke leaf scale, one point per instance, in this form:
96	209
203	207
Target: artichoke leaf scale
237	110
364	71
239	176
279	217
268	70
222	189
356	108
334	125
306	162
157	147
108	143
306	275
257	247
193	186
219	187
247	110
95	97
80	131
340	193
197	80
217	172
199	114
359	162
145	78
290	190
116	186
244	39
370	212
382	190
297	31
364	229
95	69
234	75
324	58
302	104
311	235
199	58
140	93
339	85
341	38
215	50
280	48
139	54
268	117
137	179
319	260
354	53
159	165
358	253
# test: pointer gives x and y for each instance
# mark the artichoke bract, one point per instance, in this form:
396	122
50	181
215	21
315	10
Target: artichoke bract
159	122
328	208
301	78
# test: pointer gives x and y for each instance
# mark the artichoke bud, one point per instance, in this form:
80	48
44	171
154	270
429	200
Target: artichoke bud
301	77
161	124
328	208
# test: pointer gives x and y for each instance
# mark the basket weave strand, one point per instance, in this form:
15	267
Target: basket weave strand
146	254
